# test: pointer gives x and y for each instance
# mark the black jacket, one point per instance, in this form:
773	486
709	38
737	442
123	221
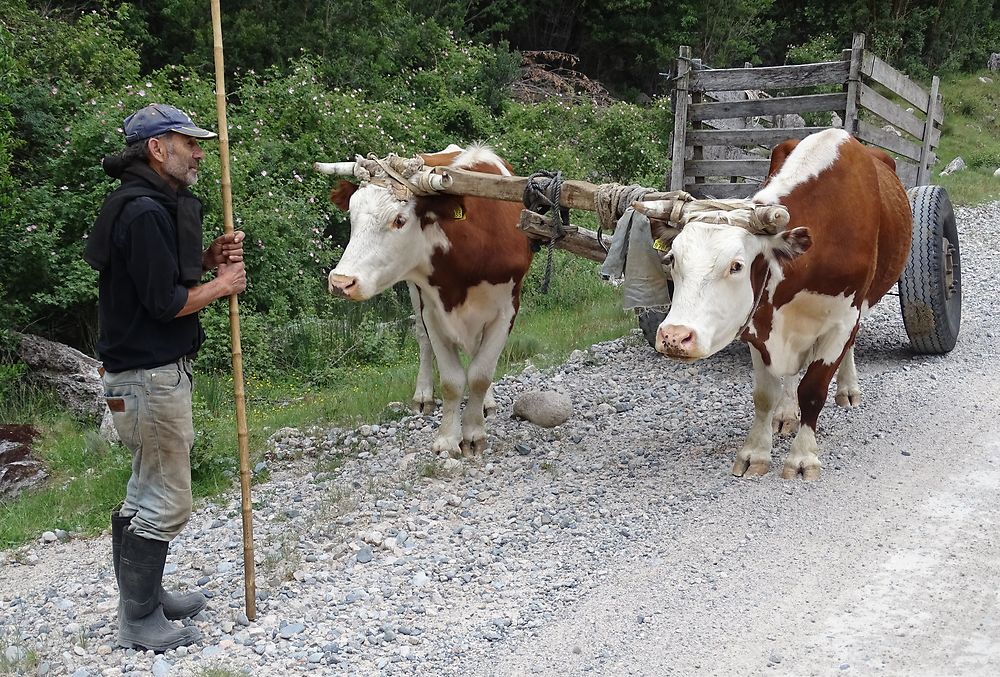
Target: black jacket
137	247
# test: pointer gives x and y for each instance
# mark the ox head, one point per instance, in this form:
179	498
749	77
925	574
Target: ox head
387	242
721	274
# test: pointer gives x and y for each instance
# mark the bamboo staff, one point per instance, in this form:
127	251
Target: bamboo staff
249	580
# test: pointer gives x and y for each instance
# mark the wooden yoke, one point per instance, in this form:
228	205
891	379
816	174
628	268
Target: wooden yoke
409	177
575	194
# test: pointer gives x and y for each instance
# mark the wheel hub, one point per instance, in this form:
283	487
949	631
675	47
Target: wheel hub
949	267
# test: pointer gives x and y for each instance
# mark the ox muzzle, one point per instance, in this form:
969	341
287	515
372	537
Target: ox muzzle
678	342
345	286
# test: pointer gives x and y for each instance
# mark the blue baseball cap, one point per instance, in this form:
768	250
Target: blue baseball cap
158	118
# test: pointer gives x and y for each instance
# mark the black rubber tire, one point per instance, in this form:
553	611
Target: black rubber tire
930	290
649	322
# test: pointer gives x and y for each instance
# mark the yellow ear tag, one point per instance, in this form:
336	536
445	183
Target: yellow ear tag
459	213
660	245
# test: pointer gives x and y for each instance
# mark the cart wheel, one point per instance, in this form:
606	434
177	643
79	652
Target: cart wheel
930	290
649	322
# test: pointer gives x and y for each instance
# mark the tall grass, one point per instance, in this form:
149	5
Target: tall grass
22	400
86	480
971	131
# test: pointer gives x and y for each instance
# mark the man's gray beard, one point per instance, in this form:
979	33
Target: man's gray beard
182	178
179	174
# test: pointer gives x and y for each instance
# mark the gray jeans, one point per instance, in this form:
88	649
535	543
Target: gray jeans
152	413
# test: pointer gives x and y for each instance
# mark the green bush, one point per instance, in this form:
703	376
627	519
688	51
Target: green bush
986	158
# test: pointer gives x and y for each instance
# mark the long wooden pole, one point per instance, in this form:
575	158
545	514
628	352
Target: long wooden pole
249	578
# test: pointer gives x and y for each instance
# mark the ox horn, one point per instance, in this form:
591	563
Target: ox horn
335	168
670	210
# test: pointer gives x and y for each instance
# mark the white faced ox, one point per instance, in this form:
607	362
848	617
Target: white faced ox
795	297
463	259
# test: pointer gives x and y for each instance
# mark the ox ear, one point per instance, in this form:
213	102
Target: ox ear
341	194
792	243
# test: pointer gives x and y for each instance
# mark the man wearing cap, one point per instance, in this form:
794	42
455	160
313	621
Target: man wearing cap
147	245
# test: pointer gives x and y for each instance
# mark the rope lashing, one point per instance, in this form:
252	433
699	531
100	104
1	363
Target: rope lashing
401	175
610	202
680	208
543	192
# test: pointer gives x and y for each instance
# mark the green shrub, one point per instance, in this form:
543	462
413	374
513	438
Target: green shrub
985	158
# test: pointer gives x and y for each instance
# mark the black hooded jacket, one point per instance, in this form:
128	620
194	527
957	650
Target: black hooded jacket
146	243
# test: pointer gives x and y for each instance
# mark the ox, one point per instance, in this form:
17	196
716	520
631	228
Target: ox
463	259
795	297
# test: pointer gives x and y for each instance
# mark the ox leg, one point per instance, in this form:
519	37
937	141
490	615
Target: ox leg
803	454
481	370
785	421
449	435
848	390
489	404
755	456
423	396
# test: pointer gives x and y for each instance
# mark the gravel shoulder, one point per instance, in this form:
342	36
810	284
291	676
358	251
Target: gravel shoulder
615	544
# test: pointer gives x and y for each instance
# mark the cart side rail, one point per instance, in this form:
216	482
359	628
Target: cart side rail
727	120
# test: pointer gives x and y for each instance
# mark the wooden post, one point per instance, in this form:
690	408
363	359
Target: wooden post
579	241
853	82
698	151
924	168
681	87
249	579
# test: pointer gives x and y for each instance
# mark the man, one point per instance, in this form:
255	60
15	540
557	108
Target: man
147	245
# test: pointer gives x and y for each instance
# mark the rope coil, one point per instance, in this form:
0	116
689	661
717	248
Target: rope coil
542	193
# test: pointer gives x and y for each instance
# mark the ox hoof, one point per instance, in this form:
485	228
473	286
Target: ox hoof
744	468
446	446
489	412
424	407
848	398
786	426
474	447
809	473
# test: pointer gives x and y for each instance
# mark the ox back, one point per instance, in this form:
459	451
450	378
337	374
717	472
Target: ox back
858	217
486	245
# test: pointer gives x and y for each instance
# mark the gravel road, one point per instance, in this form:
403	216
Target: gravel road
615	544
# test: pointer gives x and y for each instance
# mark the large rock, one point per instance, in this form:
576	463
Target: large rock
544	408
956	165
73	377
19	470
994	62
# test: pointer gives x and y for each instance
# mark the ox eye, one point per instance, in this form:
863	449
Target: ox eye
735	267
668	260
399	221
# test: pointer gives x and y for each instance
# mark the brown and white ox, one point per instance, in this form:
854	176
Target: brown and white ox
463	259
796	297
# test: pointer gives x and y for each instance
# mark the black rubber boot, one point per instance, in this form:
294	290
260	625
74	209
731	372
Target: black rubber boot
118	526
141	623
175	606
